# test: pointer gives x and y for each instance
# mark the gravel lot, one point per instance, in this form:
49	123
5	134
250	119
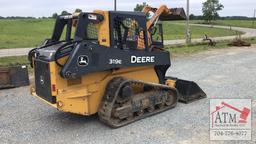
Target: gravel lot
225	73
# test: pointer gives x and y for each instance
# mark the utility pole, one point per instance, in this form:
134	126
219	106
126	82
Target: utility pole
115	5
253	21
188	39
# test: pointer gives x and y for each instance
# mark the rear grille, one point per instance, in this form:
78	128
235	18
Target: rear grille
43	81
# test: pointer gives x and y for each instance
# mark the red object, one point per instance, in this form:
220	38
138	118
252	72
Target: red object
54	87
217	108
244	113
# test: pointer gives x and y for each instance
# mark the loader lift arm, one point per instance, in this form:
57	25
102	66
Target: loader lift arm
157	13
151	25
188	90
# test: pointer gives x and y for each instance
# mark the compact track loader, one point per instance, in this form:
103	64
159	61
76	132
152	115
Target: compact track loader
111	63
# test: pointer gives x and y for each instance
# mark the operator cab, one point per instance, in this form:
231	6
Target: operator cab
112	29
127	30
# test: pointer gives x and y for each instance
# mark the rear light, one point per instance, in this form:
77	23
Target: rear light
53	87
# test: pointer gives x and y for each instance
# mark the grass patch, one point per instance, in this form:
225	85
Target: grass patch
195	48
31	32
24	33
176	30
13	60
235	23
191	49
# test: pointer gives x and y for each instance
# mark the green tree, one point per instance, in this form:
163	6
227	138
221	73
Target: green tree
192	16
55	15
78	10
210	10
64	13
139	7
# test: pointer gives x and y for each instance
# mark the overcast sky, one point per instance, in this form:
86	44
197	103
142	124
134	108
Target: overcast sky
38	8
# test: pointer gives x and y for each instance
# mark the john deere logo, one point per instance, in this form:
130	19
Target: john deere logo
83	60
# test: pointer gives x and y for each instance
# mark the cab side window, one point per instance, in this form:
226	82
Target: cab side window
126	33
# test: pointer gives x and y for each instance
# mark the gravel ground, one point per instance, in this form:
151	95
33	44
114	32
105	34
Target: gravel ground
226	73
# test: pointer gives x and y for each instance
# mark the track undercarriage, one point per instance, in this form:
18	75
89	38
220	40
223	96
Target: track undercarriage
126	101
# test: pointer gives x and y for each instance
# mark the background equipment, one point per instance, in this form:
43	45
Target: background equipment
13	76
